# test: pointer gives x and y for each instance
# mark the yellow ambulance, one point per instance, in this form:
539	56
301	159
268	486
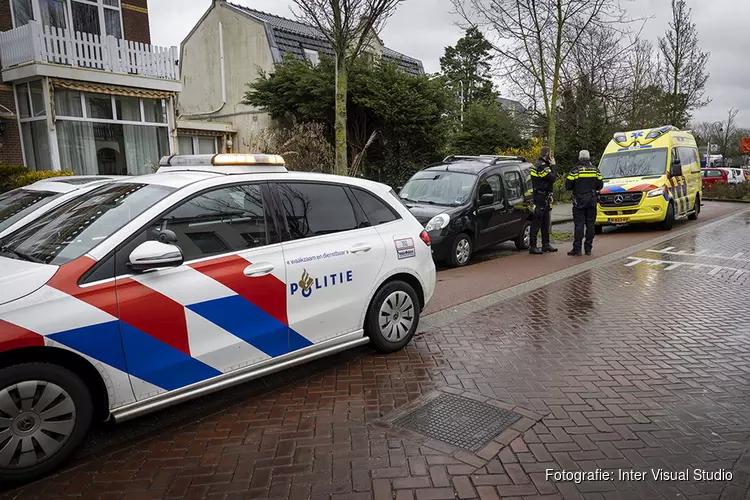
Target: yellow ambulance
650	176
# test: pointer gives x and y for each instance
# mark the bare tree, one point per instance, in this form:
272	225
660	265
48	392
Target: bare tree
728	135
535	38
350	26
685	63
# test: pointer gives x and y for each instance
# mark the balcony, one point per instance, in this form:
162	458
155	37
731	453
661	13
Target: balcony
37	50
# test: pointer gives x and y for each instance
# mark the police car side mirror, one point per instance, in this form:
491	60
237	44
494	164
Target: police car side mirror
153	255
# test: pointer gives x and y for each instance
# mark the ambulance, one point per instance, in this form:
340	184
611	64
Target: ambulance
650	176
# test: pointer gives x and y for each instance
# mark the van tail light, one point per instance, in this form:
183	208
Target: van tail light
425	237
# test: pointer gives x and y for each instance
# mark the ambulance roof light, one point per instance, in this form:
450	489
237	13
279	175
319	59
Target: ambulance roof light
620	137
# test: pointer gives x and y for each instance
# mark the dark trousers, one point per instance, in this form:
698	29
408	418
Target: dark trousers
584	216
542	220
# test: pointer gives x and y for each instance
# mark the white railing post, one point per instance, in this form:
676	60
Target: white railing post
174	71
36	40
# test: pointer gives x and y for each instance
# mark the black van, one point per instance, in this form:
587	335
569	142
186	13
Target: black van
471	202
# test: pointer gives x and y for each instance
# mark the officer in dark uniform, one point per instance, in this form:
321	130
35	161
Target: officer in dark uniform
585	181
543	177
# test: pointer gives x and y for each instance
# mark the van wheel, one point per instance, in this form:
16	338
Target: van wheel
523	240
461	251
669	218
696	209
598	229
45	413
393	316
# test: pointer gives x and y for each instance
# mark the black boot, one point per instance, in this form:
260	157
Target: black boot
575	253
535	251
549	249
588	252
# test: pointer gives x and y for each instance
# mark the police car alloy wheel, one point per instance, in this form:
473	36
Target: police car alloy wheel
41	422
393	316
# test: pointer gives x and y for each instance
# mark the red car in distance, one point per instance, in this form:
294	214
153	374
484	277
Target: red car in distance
714	176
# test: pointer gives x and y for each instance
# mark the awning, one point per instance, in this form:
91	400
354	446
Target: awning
100	88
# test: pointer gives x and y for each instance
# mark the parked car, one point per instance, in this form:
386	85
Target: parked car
216	270
471	202
712	176
746	170
736	175
23	205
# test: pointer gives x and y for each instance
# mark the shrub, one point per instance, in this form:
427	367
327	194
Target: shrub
13	177
531	151
304	146
723	191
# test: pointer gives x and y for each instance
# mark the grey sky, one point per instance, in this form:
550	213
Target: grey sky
423	28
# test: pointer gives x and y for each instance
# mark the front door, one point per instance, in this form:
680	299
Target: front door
333	260
224	309
490	216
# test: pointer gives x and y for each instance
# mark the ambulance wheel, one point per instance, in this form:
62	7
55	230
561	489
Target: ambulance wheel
45	413
598	229
696	209
523	240
393	316
669	218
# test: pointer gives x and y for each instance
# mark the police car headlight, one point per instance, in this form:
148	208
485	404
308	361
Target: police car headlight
656	192
438	222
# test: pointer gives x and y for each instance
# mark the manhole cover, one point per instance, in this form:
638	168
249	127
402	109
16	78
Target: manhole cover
458	421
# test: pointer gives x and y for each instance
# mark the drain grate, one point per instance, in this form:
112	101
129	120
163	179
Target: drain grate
458	421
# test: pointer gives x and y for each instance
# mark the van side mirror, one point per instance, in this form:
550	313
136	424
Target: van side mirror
676	169
486	199
398	189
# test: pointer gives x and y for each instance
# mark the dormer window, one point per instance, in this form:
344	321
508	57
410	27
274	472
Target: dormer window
312	56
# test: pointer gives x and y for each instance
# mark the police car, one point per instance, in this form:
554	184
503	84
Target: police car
20	206
214	271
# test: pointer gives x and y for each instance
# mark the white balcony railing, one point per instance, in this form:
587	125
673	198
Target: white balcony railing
35	42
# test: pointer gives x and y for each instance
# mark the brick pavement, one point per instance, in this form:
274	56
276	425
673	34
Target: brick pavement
620	367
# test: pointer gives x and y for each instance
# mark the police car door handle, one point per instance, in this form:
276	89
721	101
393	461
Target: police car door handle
259	269
361	248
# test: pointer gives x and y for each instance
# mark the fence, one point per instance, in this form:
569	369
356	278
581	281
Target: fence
37	43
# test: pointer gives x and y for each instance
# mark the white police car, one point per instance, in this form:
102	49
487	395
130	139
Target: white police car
216	270
20	206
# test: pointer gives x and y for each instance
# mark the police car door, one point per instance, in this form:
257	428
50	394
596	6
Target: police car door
223	309
333	259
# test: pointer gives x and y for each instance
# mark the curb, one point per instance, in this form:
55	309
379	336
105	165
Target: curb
456	313
719	200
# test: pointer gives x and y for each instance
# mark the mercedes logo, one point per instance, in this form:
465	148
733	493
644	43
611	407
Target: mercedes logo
25	424
619	199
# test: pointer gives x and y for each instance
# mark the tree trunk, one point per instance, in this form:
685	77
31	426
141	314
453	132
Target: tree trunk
342	82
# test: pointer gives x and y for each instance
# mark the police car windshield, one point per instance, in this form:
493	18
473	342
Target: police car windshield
634	163
74	228
17	204
439	187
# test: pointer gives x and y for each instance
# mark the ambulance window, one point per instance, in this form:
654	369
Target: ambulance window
313	209
687	156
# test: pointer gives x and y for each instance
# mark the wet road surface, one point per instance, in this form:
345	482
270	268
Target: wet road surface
640	364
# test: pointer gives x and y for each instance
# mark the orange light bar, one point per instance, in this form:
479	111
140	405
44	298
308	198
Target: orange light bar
243	159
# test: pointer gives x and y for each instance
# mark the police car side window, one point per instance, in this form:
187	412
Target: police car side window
313	209
377	212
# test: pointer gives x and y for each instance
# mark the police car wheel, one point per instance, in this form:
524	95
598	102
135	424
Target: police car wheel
523	240
393	316
461	251
45	413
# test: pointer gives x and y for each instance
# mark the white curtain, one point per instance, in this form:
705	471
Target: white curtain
77	147
144	147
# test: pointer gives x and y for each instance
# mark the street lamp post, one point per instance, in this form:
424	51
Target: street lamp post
708	149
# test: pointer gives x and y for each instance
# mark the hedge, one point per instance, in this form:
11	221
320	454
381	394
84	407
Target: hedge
15	176
724	191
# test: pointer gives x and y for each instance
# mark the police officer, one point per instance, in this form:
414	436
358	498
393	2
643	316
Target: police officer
585	181
543	177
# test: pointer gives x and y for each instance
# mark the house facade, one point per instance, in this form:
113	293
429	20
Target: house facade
226	50
83	89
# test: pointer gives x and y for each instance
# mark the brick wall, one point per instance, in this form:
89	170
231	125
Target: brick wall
10	140
135	20
6	23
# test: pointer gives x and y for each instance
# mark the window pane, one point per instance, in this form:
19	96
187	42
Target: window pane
377	212
185	145
23	12
78	149
23	101
513	184
114	3
155	111
53	13
99	106
316	209
128	108
144	147
206	145
86	18
36	145
112	22
492	185
68	103
110	149
226	220
37	98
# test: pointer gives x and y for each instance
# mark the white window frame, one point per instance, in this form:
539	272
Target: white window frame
87	118
37	10
195	139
